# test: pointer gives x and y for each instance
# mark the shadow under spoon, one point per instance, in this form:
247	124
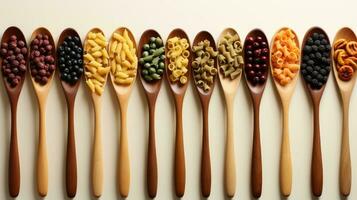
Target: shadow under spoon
346	88
205	97
229	88
42	94
315	94
152	90
13	94
256	93
70	91
178	91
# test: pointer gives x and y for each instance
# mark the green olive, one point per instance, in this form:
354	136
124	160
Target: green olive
145	53
152	70
152	39
146	47
147	65
153	46
158	42
148	78
160	71
156	76
144	72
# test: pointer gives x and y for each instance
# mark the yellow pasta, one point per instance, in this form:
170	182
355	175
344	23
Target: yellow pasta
96	62
124	59
178	55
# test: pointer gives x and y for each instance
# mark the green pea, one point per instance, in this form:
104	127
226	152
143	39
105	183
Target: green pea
152	70
152	39
145	53
158	42
141	61
153	46
148	78
162	65
146	47
145	72
147	65
162	57
160	71
152	51
156	76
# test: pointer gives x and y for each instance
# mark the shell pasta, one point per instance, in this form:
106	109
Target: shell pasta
178	55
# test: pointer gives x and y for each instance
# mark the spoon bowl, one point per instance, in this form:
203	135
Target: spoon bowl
154	86
177	88
256	93
152	90
285	93
345	88
13	94
42	93
205	98
70	91
178	91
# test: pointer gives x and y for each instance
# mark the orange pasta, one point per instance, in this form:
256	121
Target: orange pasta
285	56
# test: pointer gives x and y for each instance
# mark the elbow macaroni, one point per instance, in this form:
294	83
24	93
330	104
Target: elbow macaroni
285	57
96	61
123	59
203	65
178	55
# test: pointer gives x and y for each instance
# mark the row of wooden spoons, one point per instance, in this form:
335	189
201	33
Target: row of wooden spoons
152	89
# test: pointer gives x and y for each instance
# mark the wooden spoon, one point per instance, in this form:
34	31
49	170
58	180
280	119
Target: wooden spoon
346	88
42	93
229	89
123	93
152	90
205	99
13	94
97	159
315	94
178	91
256	93
285	93
70	92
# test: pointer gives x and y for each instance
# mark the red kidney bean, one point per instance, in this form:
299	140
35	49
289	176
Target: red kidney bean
42	62
14	54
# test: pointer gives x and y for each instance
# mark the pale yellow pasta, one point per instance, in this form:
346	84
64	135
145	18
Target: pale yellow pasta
177	55
124	60
96	62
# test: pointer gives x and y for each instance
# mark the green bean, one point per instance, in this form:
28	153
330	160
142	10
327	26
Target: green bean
148	58
155	61
159	51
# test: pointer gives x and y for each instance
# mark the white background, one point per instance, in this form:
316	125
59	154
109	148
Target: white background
192	16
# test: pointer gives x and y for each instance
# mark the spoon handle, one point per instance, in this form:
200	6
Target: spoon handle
206	160
71	160
42	162
285	156
345	160
180	169
152	161
97	160
316	164
124	163
230	166
14	162
256	174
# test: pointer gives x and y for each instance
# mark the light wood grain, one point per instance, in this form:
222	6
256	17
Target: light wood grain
345	88
285	93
